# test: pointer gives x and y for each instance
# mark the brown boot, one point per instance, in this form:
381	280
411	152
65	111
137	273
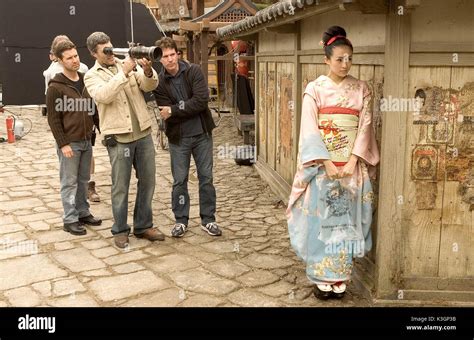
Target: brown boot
91	193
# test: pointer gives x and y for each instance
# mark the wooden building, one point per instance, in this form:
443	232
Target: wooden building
216	57
423	229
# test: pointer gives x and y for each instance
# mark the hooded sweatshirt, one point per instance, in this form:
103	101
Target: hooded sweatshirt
70	113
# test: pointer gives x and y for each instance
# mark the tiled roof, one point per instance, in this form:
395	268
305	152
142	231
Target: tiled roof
273	12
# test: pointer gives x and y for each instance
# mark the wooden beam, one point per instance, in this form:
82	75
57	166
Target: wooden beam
281	59
357	59
389	252
189	26
275	53
186	25
357	50
442	59
179	37
448	47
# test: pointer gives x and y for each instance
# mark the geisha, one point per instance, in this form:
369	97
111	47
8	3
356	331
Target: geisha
330	206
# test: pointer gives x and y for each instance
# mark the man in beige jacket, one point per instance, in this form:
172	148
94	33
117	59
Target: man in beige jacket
126	123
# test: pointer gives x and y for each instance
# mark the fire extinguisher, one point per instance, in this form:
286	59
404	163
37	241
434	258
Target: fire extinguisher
10	129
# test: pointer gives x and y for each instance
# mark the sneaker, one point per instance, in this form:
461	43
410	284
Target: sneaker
212	229
179	229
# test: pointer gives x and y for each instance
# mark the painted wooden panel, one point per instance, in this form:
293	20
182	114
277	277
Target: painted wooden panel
262	113
285	119
457	234
422	200
271	114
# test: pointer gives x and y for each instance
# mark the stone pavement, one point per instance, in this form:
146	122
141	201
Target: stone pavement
251	264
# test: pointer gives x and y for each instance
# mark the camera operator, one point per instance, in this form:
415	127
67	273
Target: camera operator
126	123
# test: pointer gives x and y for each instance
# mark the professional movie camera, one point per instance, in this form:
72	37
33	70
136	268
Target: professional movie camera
136	52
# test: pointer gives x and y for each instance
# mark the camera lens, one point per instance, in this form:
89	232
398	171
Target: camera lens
108	50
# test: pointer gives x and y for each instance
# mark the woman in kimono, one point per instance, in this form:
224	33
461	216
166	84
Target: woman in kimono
330	207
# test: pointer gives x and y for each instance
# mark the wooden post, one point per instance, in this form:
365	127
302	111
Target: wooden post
204	49
198	8
389	255
197	48
297	96
189	47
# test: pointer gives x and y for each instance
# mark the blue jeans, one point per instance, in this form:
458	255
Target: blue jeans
141	155
74	174
200	147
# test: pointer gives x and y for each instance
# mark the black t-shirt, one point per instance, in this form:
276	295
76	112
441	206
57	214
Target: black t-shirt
79	85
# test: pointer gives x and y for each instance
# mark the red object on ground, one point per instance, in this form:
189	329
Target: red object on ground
10	133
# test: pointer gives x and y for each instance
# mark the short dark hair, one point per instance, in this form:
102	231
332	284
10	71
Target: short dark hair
96	38
55	41
62	46
167	42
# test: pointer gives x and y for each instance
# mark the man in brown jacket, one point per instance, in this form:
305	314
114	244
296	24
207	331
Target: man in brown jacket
70	112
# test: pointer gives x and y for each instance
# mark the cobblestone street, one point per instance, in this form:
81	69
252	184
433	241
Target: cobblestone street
251	264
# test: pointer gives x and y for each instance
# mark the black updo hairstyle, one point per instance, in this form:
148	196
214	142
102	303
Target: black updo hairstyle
340	41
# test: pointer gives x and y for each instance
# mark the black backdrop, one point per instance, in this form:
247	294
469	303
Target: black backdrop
27	28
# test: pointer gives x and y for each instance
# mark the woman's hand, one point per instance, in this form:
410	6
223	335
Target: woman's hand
349	168
331	169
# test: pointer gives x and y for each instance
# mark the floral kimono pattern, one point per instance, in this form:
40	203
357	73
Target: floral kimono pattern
329	220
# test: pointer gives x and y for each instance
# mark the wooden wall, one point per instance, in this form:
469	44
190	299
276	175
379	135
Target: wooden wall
437	221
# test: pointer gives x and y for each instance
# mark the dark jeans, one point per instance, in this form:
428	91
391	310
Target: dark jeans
141	155
74	174
200	147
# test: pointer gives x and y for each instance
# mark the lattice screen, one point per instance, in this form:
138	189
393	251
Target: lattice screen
232	15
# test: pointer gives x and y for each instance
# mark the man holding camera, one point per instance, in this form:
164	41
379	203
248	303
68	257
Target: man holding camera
184	96
70	116
126	123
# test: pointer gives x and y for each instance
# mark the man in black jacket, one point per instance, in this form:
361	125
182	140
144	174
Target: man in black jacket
183	96
70	112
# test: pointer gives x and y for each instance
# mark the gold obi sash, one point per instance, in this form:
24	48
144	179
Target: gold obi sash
338	127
